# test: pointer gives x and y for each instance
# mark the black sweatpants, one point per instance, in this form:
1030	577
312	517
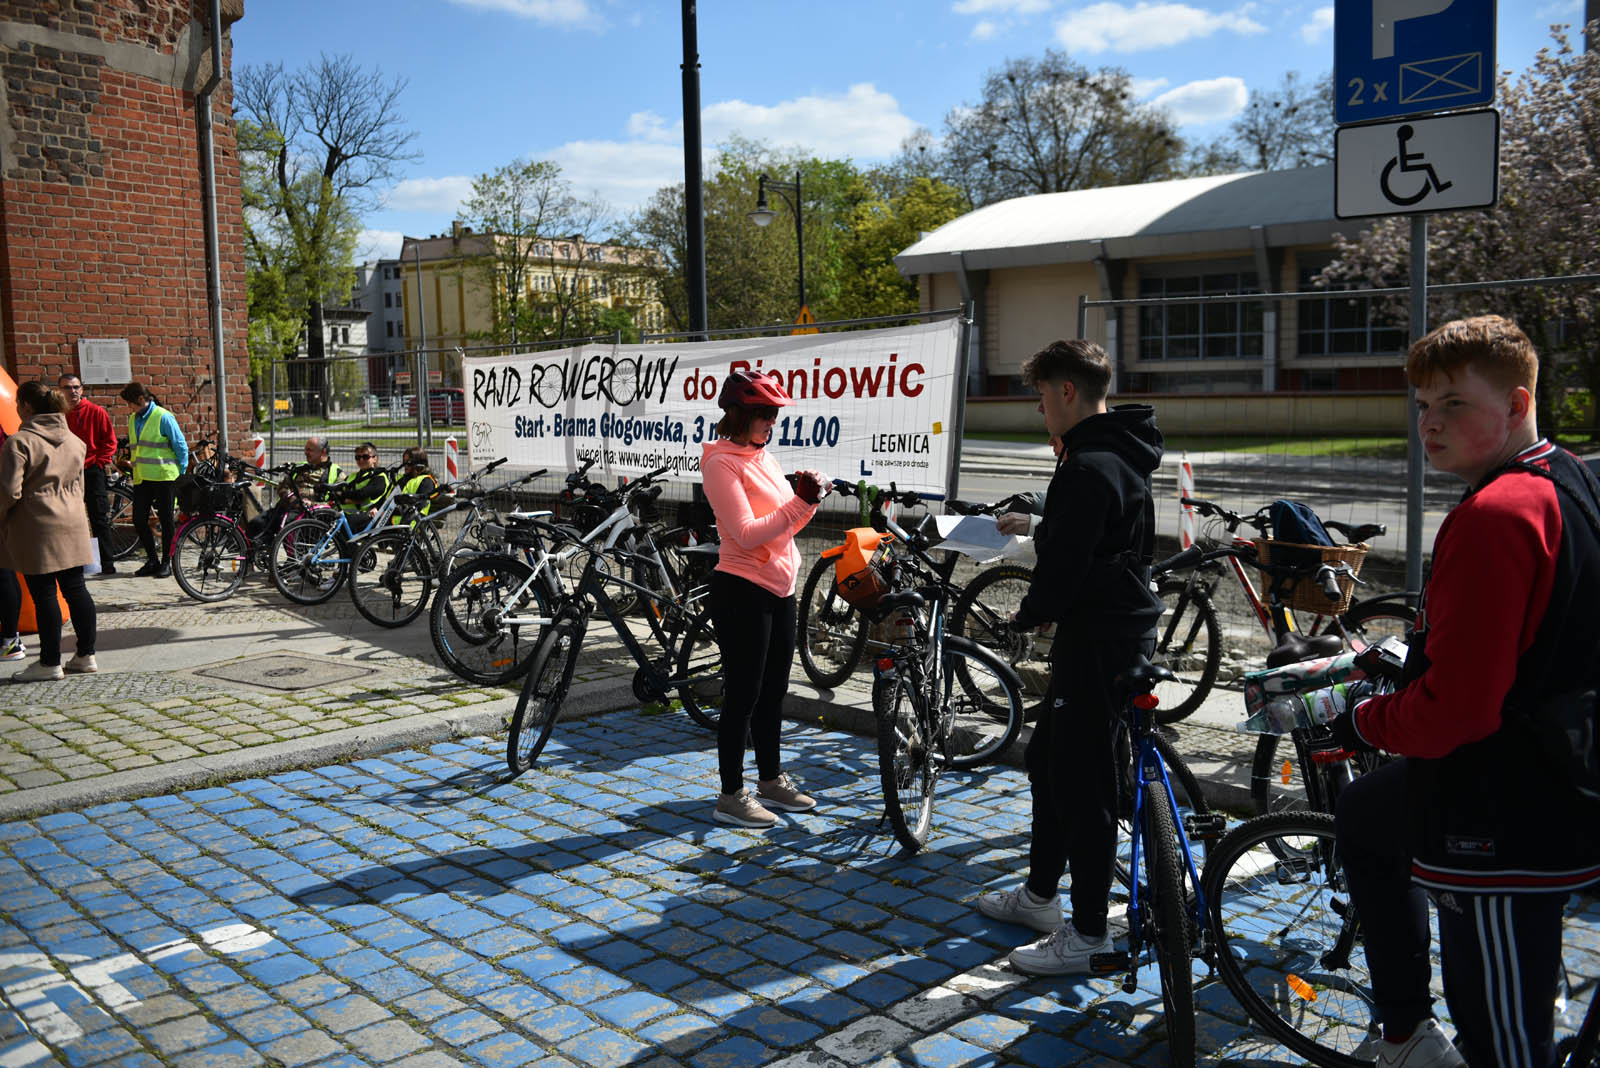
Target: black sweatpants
47	612
162	496
10	603
755	633
1072	769
96	502
1500	953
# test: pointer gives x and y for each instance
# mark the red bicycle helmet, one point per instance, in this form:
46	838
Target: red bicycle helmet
752	389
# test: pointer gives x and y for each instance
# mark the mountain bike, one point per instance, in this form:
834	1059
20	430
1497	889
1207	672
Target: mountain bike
691	668
940	701
1167	903
485	620
212	551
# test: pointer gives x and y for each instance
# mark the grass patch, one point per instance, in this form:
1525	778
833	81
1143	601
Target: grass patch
1388	448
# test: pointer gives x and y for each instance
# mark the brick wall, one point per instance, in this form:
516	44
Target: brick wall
102	223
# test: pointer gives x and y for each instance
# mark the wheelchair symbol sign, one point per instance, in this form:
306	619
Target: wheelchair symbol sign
1436	163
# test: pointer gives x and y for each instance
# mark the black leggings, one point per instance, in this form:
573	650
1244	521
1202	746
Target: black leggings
161	495
1500	953
755	632
47	611
1072	770
10	603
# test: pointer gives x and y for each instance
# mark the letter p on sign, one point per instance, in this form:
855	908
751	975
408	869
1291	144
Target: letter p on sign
1385	13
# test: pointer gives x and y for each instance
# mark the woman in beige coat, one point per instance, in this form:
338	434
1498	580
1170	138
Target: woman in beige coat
43	534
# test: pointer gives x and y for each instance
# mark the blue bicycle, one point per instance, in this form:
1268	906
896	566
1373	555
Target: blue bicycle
311	557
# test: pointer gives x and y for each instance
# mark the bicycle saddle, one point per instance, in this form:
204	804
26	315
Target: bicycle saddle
901	599
1356	535
1295	648
1143	676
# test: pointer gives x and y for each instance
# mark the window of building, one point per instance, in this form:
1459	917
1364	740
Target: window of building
1200	331
387	298
596	254
1344	326
566	252
389	331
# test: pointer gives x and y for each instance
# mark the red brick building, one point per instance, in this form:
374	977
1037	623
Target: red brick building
102	212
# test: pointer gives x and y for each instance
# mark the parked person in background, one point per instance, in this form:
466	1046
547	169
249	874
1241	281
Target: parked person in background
160	455
42	532
311	478
1092	581
11	647
92	424
366	488
1481	811
752	592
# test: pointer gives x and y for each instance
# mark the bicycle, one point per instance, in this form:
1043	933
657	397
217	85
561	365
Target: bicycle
695	671
212	551
940	701
1167	906
311	557
485	620
393	573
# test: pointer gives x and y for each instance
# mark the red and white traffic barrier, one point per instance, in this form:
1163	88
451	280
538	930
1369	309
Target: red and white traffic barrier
258	451
1185	511
452	459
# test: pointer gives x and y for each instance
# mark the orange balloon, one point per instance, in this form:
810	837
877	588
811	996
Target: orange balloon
9	420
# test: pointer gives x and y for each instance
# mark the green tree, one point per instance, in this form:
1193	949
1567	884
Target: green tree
880	228
316	148
520	208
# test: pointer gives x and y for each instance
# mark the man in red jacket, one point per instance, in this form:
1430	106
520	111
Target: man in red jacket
92	424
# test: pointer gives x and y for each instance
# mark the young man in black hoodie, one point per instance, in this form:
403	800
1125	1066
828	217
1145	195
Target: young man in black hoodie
1092	582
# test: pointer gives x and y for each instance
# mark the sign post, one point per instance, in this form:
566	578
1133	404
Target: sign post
1411	59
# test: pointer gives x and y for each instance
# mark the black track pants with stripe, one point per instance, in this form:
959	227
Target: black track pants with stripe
1501	953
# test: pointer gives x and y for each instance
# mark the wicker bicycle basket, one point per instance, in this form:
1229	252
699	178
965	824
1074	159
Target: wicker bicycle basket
1304	593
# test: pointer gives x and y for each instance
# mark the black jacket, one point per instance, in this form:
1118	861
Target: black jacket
1093	547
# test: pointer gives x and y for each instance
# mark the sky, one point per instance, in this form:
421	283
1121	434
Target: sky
595	85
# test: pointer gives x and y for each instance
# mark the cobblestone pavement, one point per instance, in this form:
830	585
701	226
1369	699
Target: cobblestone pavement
418	909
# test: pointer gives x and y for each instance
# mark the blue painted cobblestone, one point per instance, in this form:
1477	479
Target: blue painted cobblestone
418	910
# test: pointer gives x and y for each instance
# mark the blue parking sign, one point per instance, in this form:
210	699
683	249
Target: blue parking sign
1393	58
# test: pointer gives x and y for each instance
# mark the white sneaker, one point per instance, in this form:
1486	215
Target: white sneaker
743	810
37	672
81	665
12	648
1426	1048
1066	952
1019	906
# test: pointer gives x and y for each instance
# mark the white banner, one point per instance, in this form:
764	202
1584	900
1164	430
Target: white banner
876	405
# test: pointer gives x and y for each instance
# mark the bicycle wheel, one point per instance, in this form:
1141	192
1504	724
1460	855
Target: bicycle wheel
1189	644
1276	781
832	632
308	566
1287	936
391	577
543	691
119	516
982	709
700	668
1185	787
468	620
983	614
905	766
210	559
1167	925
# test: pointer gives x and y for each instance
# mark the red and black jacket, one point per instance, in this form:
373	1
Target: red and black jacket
1511	614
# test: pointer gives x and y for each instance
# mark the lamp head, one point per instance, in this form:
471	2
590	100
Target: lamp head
763	214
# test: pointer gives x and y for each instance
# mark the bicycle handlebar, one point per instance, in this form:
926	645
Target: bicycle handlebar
1232	520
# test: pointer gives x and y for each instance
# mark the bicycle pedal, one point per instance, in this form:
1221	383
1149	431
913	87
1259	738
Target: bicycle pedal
1206	827
1105	963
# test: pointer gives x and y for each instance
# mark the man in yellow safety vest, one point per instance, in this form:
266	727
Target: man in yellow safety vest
160	455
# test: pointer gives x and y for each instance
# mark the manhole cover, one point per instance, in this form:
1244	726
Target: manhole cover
285	672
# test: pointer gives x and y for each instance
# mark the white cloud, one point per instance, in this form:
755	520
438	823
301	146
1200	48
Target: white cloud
860	122
650	126
1143	87
984	29
1205	101
378	245
623	173
1320	26
442	196
1117	27
990	7
550	12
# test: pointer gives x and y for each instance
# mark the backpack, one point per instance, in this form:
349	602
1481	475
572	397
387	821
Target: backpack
1297	524
1566	726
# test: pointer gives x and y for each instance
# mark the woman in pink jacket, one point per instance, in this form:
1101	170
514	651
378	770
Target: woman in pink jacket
752	592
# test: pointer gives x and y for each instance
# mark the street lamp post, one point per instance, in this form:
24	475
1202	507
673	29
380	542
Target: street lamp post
764	215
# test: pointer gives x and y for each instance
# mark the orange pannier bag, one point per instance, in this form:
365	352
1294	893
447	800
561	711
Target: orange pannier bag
861	574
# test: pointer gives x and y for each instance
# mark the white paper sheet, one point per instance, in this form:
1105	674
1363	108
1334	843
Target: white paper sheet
978	537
